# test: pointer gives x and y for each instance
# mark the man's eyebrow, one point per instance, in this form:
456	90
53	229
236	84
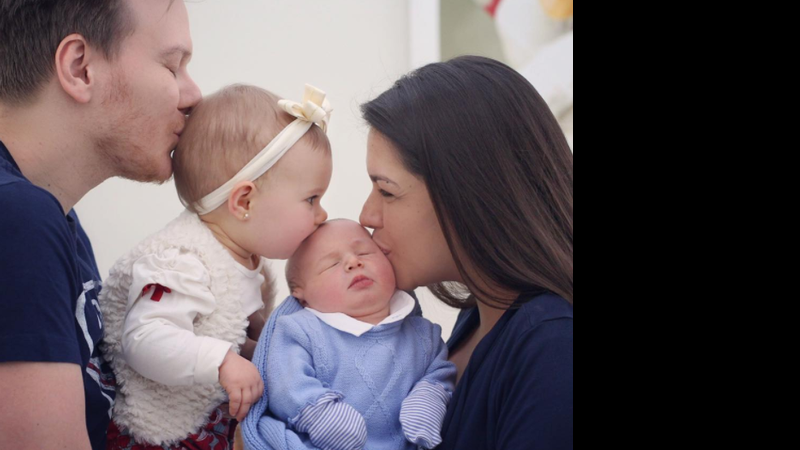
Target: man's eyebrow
179	50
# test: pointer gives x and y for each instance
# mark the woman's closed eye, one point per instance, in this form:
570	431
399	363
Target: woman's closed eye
385	194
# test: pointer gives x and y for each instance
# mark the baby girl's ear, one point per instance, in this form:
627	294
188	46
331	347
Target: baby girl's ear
240	198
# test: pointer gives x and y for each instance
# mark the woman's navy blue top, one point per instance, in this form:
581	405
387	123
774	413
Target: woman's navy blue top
517	390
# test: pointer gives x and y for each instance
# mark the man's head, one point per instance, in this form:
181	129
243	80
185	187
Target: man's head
340	269
113	73
32	30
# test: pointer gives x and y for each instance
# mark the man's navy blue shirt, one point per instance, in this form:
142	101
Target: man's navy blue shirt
49	284
517	391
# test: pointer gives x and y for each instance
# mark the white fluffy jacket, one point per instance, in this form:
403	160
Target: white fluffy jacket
152	412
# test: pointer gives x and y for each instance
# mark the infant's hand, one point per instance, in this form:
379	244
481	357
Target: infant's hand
242	382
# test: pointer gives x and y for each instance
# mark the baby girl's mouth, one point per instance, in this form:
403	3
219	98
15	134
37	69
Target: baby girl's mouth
360	282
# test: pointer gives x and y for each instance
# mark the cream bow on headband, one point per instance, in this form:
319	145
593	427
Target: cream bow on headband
315	109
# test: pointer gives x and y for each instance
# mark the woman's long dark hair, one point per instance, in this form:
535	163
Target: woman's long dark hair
498	169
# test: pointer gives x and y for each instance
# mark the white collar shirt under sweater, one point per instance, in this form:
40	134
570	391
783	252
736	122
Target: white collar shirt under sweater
400	306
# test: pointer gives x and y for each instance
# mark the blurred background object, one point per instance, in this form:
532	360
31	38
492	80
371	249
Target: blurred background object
536	37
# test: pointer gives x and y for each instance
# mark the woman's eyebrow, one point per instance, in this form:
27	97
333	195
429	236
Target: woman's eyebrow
376	178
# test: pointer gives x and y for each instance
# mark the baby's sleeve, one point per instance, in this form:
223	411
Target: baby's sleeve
169	291
422	412
301	400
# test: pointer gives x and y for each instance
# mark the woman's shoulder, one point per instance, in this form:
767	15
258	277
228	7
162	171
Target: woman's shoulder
541	309
540	334
543	323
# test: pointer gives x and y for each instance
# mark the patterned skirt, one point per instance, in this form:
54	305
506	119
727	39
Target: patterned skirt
216	435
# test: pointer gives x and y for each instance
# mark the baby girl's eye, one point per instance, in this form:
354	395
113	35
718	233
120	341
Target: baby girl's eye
311	200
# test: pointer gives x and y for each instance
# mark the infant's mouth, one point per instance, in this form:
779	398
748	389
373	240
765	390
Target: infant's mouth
360	281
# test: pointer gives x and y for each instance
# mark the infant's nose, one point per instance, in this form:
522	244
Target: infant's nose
354	263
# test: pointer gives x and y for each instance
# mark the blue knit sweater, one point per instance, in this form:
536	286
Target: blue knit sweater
320	379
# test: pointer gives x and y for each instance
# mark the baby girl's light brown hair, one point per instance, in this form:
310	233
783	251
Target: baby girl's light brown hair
225	131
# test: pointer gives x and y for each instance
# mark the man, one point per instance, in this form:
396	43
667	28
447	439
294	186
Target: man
89	90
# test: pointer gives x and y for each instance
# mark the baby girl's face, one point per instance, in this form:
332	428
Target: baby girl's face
341	270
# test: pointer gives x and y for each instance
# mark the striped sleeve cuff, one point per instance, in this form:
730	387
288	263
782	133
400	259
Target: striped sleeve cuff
332	424
422	414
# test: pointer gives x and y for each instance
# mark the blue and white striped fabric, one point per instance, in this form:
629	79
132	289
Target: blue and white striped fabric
332	424
422	414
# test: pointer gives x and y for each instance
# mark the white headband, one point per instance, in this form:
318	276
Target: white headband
315	109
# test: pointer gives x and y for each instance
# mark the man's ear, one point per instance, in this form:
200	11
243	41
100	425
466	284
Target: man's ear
239	202
75	68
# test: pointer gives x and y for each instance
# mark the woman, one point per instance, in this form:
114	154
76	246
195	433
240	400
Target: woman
473	197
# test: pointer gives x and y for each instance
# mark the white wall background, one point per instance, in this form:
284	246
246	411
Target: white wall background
352	49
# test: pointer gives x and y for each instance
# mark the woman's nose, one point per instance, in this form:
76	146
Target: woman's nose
371	214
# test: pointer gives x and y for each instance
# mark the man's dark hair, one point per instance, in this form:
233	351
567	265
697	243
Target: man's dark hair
32	30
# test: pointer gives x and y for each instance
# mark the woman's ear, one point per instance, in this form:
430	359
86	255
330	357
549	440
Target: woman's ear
75	68
240	200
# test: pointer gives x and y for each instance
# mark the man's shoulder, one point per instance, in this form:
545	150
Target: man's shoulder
23	202
32	222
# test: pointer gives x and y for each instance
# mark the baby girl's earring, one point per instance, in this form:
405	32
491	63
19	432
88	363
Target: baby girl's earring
246	216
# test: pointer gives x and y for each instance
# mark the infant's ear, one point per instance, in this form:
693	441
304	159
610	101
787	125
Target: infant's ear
298	294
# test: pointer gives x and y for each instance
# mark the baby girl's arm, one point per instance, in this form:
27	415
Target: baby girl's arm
242	382
168	292
259	318
298	398
422	412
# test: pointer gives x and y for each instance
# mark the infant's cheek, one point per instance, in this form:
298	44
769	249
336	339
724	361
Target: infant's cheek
387	275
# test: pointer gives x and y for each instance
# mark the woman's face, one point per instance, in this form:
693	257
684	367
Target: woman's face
400	211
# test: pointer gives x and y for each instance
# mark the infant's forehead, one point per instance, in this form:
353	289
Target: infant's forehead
338	232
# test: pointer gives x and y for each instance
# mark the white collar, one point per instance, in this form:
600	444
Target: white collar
400	306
